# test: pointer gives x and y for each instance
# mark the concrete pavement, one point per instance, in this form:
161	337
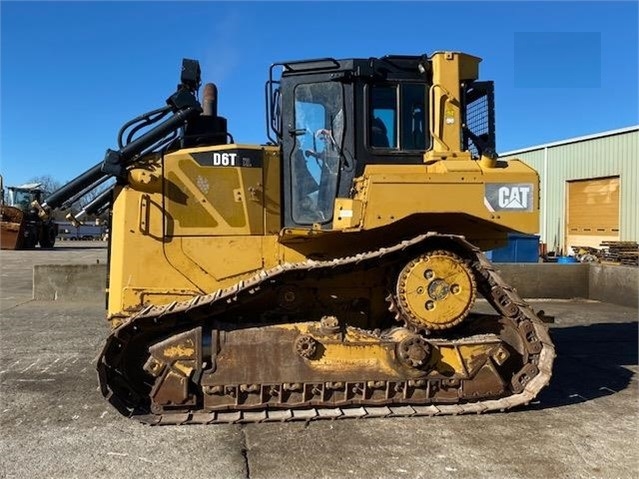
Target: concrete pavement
16	267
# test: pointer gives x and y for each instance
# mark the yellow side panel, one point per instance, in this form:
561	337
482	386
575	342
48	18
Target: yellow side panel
206	200
393	192
138	270
185	227
224	257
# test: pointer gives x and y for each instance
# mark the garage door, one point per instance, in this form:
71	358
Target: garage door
592	212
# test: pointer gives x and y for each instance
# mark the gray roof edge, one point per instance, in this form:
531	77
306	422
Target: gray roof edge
576	139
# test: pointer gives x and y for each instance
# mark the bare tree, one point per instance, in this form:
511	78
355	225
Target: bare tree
48	183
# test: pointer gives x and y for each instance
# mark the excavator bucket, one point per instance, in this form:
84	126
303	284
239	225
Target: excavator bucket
11	227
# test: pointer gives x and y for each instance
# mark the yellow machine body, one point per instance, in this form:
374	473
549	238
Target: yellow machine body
184	229
224	307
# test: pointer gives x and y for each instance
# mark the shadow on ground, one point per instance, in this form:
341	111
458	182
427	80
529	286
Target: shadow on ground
591	362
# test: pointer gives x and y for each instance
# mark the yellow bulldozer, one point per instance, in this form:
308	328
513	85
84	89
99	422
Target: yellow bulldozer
329	273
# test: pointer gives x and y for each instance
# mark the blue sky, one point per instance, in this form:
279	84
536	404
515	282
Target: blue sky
73	73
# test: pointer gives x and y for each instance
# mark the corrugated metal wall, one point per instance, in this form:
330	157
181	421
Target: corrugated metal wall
616	154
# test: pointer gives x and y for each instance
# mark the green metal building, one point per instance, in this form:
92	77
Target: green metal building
589	188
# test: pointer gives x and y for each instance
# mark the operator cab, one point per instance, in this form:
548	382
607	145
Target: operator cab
23	196
334	117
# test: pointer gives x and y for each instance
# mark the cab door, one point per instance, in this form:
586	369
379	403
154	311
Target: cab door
316	146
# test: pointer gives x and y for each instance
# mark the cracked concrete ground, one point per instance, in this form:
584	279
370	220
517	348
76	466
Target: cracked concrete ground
55	423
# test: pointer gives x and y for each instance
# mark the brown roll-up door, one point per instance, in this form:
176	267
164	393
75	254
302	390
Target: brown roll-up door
592	212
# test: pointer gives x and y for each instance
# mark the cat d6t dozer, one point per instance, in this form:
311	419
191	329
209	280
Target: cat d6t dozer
329	273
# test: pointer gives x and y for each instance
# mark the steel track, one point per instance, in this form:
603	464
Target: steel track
115	386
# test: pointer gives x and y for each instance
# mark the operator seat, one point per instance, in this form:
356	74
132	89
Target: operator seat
379	134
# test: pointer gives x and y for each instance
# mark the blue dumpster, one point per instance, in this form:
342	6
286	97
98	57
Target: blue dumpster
520	249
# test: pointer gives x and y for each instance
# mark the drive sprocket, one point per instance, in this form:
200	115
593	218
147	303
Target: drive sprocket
435	291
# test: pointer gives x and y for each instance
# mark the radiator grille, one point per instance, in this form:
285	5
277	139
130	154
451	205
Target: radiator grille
479	118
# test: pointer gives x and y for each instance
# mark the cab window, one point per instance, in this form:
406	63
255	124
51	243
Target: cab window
383	117
397	117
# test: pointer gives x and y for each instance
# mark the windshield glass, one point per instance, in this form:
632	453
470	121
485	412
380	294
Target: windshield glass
21	199
315	162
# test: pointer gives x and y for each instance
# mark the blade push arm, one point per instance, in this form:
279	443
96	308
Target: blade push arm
183	106
93	208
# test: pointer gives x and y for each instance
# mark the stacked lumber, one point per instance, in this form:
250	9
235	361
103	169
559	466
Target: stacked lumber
622	252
